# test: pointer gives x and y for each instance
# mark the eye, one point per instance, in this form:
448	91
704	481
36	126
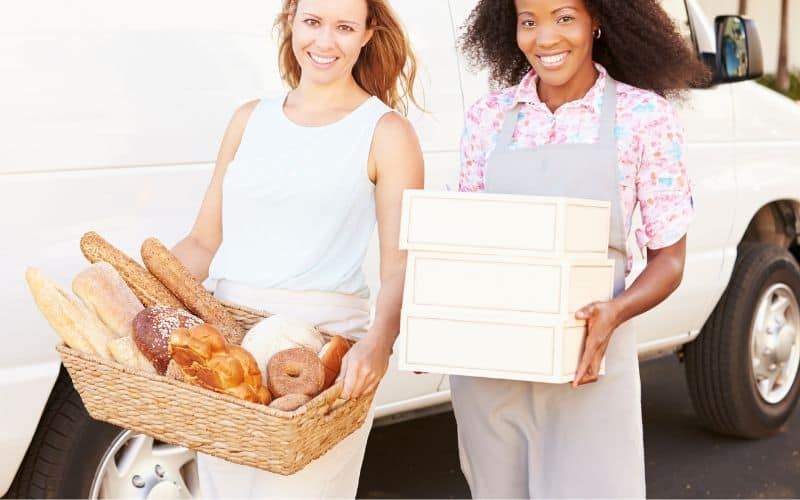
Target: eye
345	27
565	19
311	22
528	23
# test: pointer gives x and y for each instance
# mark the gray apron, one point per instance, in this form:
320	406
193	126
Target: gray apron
525	439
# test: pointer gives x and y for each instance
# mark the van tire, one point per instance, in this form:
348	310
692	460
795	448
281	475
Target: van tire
66	449
719	365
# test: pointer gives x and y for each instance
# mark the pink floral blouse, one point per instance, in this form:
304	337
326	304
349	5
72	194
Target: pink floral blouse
652	171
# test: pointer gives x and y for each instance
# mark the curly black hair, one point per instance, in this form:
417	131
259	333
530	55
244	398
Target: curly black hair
639	45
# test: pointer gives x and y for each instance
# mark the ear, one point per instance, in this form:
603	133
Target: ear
368	36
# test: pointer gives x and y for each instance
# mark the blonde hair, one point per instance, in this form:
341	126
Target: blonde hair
386	66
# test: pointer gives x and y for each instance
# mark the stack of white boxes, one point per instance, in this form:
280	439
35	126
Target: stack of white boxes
493	283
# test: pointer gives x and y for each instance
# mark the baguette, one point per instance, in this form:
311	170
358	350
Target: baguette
169	270
78	327
147	288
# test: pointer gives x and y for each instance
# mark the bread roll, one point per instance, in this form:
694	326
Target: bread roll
331	356
290	402
78	327
106	294
152	328
174	371
144	285
207	360
278	333
126	353
169	271
295	371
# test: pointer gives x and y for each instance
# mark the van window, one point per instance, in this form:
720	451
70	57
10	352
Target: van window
680	15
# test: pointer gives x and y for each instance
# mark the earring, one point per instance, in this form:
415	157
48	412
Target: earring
598	33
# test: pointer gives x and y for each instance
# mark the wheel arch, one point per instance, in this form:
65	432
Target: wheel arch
776	223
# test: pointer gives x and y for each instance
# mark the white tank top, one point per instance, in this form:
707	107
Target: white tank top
298	207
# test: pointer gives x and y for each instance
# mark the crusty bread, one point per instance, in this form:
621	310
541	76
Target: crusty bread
106	294
290	402
147	288
78	327
174	371
152	328
278	333
206	360
331	356
172	274
126	353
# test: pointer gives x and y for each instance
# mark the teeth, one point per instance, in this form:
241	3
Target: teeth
322	60
551	60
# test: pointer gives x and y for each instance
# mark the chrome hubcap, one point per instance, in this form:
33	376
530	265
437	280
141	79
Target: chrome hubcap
775	343
137	466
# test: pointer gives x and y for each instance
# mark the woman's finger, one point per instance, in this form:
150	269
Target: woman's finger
350	381
342	368
585	312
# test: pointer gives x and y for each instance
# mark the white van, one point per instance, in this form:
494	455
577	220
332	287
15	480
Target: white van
110	117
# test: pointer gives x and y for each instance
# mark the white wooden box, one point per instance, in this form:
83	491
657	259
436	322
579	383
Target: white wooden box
544	348
504	224
556	286
498	316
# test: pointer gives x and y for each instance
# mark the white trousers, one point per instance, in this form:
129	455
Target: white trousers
333	475
534	440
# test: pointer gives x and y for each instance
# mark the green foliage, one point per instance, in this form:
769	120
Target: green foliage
794	86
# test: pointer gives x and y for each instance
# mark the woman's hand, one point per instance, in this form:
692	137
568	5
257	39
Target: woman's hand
602	318
364	366
660	277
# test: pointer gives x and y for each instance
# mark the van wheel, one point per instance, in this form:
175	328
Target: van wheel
75	456
742	371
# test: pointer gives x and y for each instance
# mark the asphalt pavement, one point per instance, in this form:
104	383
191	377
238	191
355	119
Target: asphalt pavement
419	458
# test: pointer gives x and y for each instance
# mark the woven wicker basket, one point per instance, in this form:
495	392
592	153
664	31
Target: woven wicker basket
216	424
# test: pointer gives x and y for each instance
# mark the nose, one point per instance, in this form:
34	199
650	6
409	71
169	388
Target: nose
325	39
547	35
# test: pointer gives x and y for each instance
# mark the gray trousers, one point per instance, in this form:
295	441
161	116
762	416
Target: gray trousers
533	440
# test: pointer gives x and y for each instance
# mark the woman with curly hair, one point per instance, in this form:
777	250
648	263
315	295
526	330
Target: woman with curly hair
583	114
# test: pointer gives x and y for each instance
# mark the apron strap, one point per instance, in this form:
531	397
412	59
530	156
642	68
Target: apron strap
608	116
509	125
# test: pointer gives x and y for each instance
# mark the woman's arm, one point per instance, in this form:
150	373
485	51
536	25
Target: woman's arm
665	200
197	249
658	280
396	164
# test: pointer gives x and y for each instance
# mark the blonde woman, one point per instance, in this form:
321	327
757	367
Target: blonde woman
299	185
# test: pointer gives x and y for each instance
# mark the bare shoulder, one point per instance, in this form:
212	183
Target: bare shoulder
242	114
233	134
394	133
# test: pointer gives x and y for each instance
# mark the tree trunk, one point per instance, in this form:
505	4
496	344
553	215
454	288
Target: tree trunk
742	7
782	80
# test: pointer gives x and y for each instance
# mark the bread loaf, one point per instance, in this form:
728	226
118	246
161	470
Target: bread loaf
278	333
295	371
78	327
290	402
207	360
126	353
152	328
331	356
144	285
106	294
169	271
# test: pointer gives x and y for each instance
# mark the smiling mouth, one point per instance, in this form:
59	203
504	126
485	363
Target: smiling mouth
322	61
553	61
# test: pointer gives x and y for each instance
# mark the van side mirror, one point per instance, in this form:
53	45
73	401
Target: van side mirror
739	55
